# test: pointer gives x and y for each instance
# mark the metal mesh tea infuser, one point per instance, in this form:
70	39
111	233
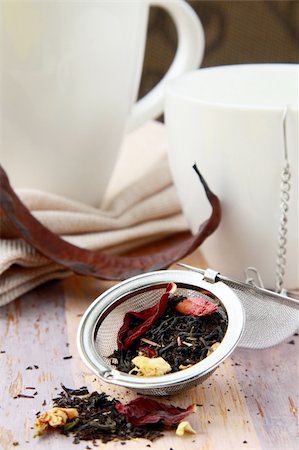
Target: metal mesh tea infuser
270	318
97	334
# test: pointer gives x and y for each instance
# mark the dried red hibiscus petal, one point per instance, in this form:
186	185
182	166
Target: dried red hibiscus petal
142	411
196	306
128	333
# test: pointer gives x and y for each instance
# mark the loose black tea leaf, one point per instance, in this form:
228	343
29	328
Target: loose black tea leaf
81	391
96	416
24	396
178	336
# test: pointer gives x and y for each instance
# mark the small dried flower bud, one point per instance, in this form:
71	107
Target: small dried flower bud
72	413
149	367
55	417
184	427
196	306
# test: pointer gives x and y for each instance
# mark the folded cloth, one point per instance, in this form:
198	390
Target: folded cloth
141	206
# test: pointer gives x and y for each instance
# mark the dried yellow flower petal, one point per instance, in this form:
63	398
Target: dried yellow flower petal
183	367
184	427
55	417
213	348
149	367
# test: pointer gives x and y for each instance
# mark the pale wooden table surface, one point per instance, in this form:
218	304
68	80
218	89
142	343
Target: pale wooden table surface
250	402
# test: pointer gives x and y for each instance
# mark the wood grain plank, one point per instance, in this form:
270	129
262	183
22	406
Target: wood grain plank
270	382
250	401
34	339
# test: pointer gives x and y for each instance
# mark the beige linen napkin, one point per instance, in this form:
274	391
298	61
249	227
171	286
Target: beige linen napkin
141	206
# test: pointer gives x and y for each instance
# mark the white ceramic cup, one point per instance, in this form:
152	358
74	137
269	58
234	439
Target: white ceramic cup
70	73
229	120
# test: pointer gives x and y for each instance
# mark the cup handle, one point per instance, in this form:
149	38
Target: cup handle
189	54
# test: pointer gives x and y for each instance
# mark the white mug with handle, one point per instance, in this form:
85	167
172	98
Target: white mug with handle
70	73
239	123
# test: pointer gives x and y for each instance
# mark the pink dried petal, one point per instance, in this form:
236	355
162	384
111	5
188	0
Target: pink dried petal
142	411
196	306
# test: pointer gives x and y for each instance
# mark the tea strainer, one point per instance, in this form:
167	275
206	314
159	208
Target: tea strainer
97	334
270	319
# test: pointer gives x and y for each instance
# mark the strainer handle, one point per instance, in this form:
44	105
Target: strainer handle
213	276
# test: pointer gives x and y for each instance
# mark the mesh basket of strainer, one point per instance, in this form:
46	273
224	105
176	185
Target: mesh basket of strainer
97	334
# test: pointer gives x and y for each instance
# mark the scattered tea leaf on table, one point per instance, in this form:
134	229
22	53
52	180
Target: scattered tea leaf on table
97	416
